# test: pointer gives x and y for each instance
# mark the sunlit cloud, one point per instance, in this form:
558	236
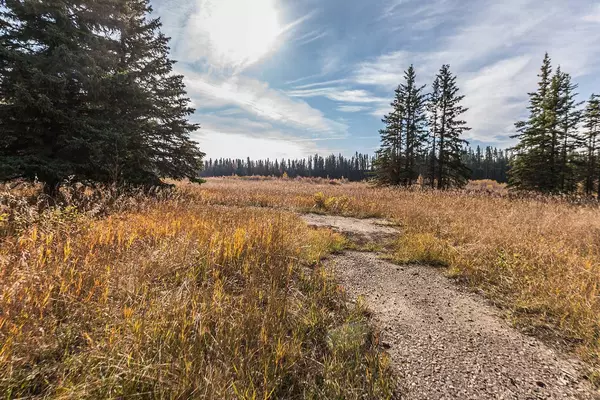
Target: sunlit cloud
241	137
299	67
231	35
259	99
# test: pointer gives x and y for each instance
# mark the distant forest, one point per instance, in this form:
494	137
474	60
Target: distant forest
488	163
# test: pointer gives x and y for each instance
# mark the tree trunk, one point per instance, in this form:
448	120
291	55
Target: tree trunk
52	189
433	164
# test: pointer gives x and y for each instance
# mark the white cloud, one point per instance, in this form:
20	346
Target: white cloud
310	37
231	35
381	112
259	99
217	144
319	84
487	49
240	137
593	16
336	94
352	109
386	70
493	107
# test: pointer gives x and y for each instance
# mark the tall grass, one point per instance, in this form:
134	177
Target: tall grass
176	298
537	257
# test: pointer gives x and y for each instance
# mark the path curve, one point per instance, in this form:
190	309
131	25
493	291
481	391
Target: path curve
445	342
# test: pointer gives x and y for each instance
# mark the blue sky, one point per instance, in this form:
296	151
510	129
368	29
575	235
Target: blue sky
288	78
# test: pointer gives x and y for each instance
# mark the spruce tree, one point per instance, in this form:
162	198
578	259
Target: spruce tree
432	108
546	158
569	117
404	135
591	119
88	92
415	121
448	128
52	64
388	160
149	136
530	164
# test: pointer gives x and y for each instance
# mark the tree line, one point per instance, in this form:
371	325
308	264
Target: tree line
87	93
355	168
488	163
422	136
558	148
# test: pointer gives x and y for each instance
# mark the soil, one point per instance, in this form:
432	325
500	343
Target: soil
444	341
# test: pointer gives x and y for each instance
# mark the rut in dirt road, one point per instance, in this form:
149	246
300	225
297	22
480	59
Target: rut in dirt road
445	342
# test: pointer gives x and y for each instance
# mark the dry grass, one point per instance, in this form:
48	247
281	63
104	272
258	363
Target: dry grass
176	298
218	292
538	257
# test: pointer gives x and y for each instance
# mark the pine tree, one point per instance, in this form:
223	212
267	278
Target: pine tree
569	117
388	160
88	92
530	166
546	157
591	118
448	128
52	63
432	108
150	128
415	121
403	137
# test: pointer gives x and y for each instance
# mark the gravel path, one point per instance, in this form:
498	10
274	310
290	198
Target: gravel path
447	343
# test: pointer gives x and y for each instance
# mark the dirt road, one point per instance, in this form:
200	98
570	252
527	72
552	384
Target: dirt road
445	342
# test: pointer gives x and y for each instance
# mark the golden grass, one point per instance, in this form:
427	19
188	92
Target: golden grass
217	291
539	258
177	298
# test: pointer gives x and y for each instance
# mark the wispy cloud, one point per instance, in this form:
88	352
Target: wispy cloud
319	84
231	35
487	52
297	22
352	109
259	99
336	94
310	37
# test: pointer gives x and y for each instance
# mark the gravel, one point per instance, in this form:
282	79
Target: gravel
445	342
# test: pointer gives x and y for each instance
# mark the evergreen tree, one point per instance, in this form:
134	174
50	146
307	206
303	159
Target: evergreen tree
432	108
448	128
88	92
530	168
546	157
415	121
403	137
52	63
569	117
592	144
388	158
149	134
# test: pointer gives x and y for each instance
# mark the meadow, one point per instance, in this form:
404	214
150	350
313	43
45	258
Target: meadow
219	290
171	297
536	257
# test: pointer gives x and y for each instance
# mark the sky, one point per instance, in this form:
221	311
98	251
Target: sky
290	78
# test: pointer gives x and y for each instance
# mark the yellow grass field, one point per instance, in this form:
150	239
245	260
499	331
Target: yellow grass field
536	257
218	290
175	298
